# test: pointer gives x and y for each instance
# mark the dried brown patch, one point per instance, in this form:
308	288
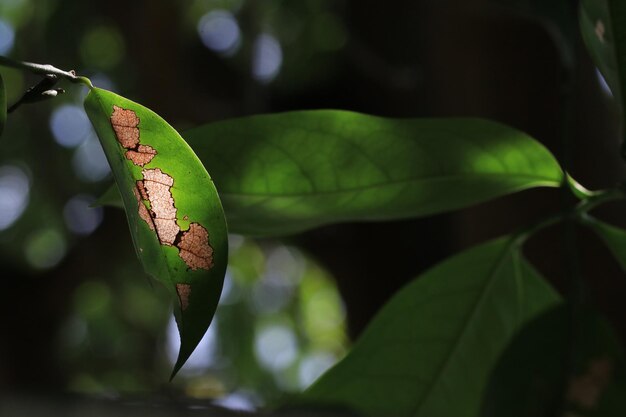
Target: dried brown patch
184	291
141	208
157	186
142	190
600	30
125	124
195	249
142	156
585	390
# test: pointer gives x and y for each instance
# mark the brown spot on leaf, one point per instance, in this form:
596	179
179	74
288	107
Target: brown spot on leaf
600	30
142	156
157	186
142	190
585	390
125	124
141	207
184	291
195	249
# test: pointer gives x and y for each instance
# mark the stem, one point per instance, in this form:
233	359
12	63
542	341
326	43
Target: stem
577	213
44	70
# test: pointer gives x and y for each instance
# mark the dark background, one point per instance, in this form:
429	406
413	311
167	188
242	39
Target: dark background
517	62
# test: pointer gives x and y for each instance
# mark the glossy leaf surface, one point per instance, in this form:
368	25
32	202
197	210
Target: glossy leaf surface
175	216
284	173
429	351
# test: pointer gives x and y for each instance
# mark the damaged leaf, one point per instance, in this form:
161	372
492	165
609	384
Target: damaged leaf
173	209
430	349
284	173
534	378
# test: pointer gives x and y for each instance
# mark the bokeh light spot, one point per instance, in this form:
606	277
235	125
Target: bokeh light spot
267	58
102	47
7	37
70	125
79	217
89	162
239	401
92	299
45	249
276	347
603	84
14	194
220	32
205	354
313	366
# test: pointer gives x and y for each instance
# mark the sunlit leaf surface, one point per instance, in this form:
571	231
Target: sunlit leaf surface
284	173
175	216
430	349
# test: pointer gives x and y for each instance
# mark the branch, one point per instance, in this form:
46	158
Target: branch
45	70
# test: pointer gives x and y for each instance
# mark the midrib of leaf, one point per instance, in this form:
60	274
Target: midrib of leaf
442	370
539	180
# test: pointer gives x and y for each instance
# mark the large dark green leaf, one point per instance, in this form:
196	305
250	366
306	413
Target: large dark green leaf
3	105
603	28
284	173
429	351
562	363
175	216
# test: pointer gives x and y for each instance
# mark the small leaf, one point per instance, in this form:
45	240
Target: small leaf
175	216
429	351
3	105
284	173
603	28
613	237
547	363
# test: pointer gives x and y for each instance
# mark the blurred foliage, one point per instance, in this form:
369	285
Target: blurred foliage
280	322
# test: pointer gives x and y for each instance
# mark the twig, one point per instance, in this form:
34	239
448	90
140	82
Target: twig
45	70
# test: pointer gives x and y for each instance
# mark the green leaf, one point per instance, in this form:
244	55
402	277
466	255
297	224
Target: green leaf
3	105
603	28
613	237
546	359
429	351
175	216
284	173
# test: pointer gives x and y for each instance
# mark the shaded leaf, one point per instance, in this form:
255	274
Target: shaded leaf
430	349
613	237
556	366
3	105
284	173
175	216
603	28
